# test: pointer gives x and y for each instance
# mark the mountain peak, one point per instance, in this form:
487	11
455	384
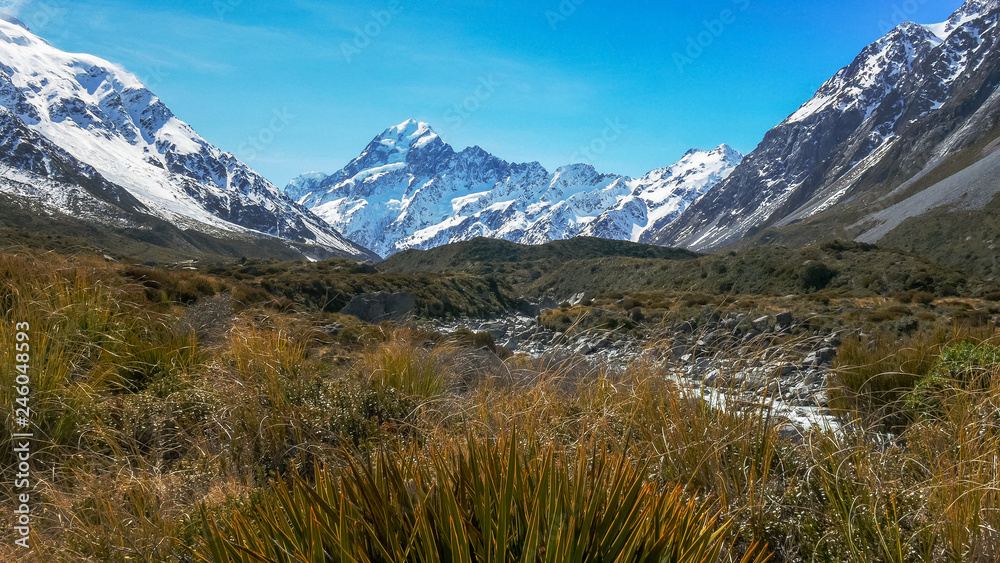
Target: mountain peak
92	118
410	134
972	7
969	11
728	151
576	169
724	149
13	20
399	195
410	129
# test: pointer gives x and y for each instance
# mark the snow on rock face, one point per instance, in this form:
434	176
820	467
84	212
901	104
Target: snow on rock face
660	197
409	189
105	118
806	164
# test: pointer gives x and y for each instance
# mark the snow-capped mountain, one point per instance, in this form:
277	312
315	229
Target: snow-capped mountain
83	137
410	189
907	103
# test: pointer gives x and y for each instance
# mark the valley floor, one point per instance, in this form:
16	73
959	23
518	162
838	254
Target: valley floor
197	416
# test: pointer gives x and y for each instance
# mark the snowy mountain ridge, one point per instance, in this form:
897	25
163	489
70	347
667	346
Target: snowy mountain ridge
410	189
900	97
111	127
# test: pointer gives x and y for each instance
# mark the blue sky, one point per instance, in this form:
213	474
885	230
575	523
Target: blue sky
626	86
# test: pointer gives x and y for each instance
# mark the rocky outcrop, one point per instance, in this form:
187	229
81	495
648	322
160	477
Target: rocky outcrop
378	307
907	102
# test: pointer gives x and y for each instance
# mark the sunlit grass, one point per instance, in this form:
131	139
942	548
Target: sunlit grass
153	441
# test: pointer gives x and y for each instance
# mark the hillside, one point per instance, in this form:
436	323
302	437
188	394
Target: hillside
906	129
594	266
842	269
84	140
143	238
520	264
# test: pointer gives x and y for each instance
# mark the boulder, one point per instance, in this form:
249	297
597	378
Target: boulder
761	324
688	326
784	319
602	344
333	329
512	344
378	307
528	308
820	357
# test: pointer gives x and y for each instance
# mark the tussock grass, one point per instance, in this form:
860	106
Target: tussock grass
874	373
404	364
166	429
489	501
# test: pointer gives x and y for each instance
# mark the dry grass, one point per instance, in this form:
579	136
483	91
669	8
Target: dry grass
156	440
487	501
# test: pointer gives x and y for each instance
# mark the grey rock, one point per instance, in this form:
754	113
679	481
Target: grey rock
761	324
790	432
333	329
378	307
784	319
815	379
826	355
602	344
711	378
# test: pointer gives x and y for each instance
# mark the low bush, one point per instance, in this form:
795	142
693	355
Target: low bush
406	366
965	367
492	500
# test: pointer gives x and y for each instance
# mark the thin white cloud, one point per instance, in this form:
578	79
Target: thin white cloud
13	7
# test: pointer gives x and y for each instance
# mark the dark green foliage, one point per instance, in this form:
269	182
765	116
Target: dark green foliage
840	270
816	276
607	267
329	285
519	264
966	366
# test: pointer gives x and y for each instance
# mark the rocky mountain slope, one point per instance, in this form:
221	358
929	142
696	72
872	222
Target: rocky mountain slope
84	139
410	189
858	159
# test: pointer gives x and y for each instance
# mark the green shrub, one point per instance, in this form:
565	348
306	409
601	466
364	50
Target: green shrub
967	366
493	500
402	364
871	375
816	276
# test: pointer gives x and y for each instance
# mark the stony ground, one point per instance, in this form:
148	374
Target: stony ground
722	355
